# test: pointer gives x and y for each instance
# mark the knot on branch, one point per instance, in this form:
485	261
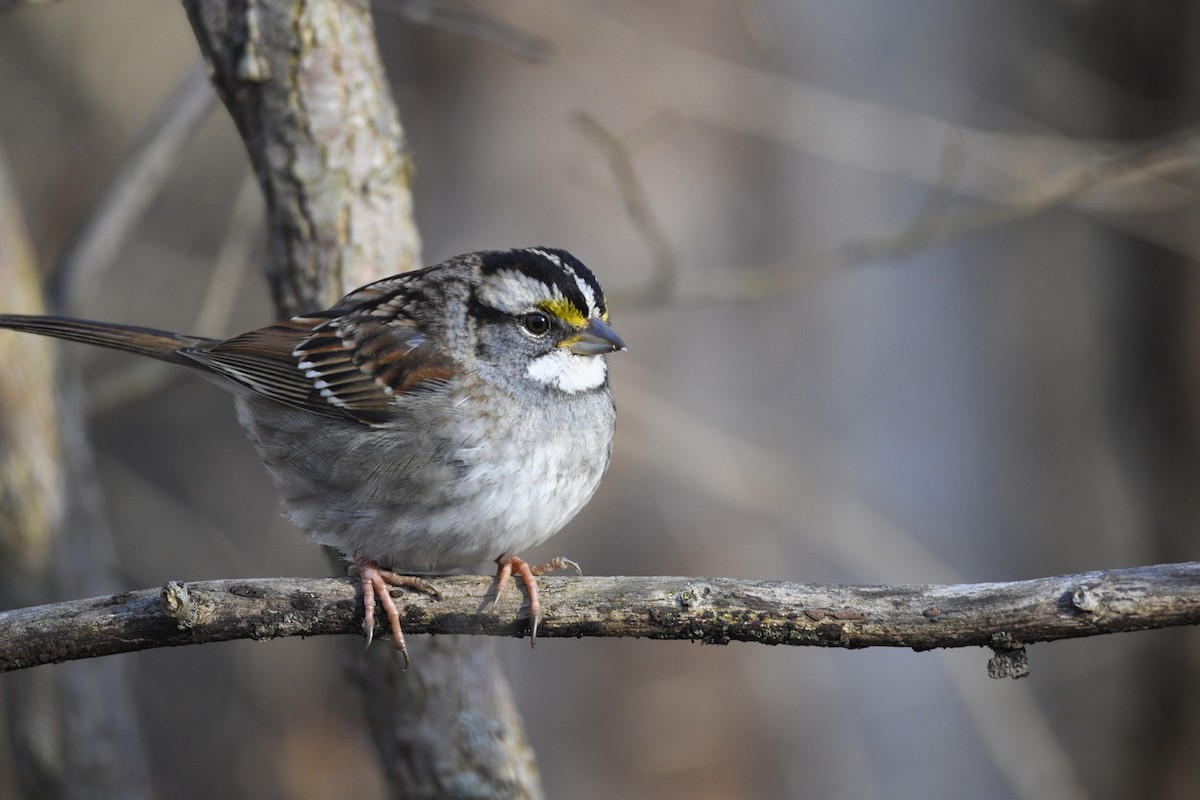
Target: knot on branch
1084	599
177	604
1009	659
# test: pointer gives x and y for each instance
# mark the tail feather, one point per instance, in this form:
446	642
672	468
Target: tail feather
162	345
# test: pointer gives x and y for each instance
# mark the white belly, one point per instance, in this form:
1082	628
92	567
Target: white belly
440	500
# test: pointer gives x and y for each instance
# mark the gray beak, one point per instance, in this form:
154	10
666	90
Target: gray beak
596	339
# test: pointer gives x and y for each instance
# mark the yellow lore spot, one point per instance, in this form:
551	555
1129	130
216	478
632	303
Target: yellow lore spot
564	310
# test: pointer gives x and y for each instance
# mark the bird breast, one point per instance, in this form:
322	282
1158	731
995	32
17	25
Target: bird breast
444	487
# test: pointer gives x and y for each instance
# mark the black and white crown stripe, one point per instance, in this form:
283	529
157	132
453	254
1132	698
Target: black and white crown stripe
516	280
586	288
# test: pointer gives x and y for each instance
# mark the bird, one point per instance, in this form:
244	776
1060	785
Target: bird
427	422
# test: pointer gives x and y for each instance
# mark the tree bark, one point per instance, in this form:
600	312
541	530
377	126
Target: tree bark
306	88
304	84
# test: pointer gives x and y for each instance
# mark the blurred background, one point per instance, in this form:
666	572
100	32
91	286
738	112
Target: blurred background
908	288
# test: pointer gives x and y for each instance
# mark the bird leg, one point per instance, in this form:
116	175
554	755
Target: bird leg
529	575
375	583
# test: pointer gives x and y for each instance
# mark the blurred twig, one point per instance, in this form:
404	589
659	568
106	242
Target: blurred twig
662	281
1001	616
131	192
1157	159
233	258
143	376
458	19
9	5
866	136
799	498
755	25
753	478
1161	158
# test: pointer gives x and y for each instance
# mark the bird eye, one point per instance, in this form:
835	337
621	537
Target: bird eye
536	323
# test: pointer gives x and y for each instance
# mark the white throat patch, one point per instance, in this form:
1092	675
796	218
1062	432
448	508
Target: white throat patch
568	372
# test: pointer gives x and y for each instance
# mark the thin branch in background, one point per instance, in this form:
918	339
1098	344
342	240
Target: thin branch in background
144	377
1014	729
462	21
1159	159
809	119
131	192
1004	617
176	511
798	499
1163	158
243	231
953	162
754	24
665	276
790	494
9	5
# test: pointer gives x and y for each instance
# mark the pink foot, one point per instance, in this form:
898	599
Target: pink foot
375	583
528	576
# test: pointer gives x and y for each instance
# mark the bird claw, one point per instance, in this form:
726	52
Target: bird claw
375	583
529	575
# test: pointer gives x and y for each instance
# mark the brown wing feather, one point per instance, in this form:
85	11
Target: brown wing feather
362	364
262	361
353	365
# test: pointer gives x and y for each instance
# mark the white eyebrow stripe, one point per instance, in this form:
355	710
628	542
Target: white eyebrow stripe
513	292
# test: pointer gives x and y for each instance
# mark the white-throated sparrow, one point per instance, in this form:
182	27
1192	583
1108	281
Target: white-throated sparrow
427	422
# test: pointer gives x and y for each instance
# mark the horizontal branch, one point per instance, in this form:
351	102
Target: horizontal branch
1003	616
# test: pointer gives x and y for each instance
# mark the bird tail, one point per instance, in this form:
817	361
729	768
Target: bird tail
162	345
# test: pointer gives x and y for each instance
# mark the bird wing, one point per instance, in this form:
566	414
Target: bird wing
355	366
